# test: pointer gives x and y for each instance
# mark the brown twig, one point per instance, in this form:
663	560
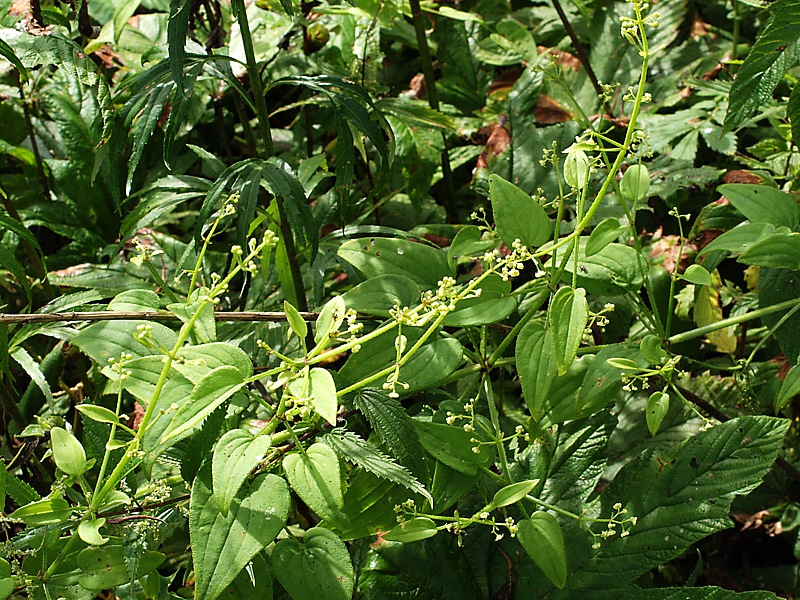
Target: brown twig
156	315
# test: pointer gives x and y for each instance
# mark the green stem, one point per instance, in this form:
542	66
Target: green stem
536	304
255	79
756	314
498	432
593	208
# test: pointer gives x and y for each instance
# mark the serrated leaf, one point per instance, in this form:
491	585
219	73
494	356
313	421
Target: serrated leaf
517	215
209	393
315	476
569	315
18	490
318	569
222	546
680	497
358	451
776	50
394	427
177	29
236	455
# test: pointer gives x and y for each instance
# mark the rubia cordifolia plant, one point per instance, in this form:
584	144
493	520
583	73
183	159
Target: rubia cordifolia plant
382	445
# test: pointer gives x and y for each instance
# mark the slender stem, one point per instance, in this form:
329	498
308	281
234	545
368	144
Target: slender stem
581	52
593	208
255	79
498	432
150	315
755	314
433	101
736	25
34	144
536	304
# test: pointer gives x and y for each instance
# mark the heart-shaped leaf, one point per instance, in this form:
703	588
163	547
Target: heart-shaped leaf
319	569
316	477
222	546
236	454
543	540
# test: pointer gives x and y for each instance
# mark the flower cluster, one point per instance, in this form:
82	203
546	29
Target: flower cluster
617	519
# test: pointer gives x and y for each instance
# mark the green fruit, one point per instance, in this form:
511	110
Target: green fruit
317	35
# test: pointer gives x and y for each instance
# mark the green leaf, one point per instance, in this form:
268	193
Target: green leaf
494	304
763	204
569	315
606	232
31	367
698	275
318	569
105	568
89	531
513	493
209	393
453	446
177	28
50	511
7	52
378	295
196	361
222	546
315	476
740	238
789	389
616	268
776	286
777	251
436	359
110	339
358	451
777	49
67	451
680	497
204	327
467	242
295	319
323	394
394	428
656	410
536	365
635	183
543	541
413	530
135	301
793	112
98	413
651	350
330	318
372	257
236	455
517	215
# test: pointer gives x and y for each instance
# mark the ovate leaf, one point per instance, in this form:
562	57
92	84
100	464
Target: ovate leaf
543	541
67	452
413	530
763	204
315	475
236	455
222	546
318	569
517	215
